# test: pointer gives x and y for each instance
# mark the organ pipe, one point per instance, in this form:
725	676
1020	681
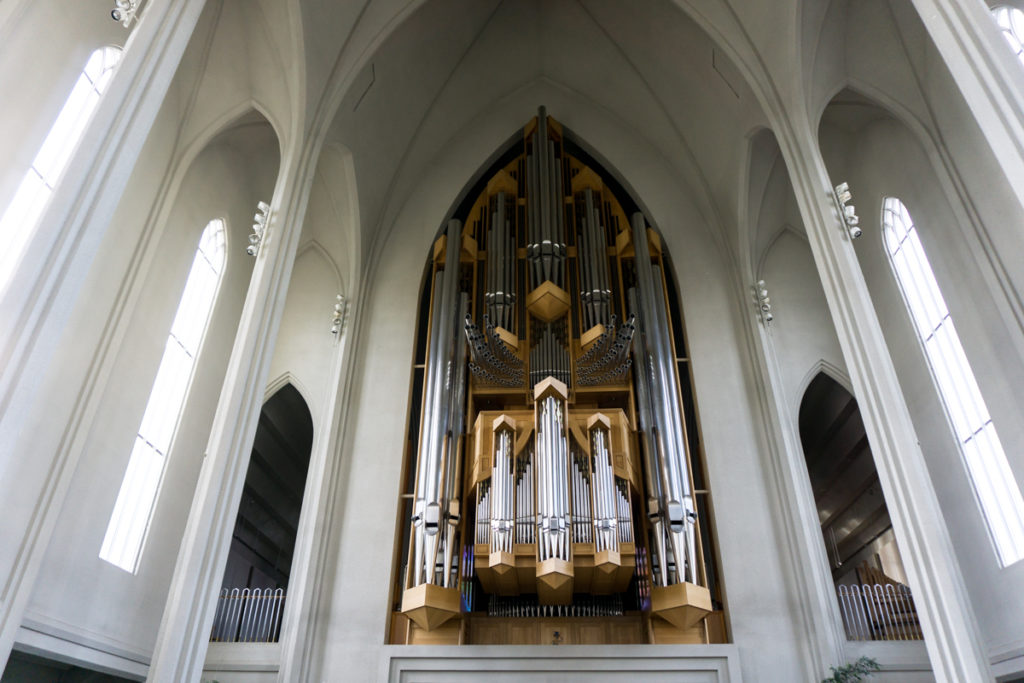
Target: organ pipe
591	244
500	293
546	249
667	427
552	463
606	518
437	469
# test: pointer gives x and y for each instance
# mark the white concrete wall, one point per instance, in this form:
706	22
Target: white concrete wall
39	80
802	331
77	594
304	348
884	159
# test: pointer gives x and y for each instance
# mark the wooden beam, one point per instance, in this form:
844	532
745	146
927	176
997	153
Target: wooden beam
856	495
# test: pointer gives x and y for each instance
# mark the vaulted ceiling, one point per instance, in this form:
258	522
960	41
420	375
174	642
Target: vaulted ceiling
645	67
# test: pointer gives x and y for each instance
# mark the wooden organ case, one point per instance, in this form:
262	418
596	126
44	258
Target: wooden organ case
553	477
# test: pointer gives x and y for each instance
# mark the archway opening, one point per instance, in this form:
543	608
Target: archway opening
863	555
259	562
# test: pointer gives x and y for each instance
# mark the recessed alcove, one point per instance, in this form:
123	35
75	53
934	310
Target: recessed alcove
864	558
253	591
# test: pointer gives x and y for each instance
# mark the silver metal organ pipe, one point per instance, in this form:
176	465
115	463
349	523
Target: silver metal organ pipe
557	490
549	497
678	434
540	149
429	505
534	225
581	507
562	479
585	250
500	276
605	519
561	463
679	510
557	216
530	501
653	470
483	512
593	264
589	507
652	467
581	512
426	438
542	489
457	419
489	286
504	476
584	275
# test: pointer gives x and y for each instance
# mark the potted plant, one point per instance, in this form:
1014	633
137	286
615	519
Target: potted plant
851	673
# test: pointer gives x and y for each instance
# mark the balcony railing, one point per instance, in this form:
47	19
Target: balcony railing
879	612
248	615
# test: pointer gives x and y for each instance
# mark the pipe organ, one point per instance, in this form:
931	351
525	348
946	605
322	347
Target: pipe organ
550	466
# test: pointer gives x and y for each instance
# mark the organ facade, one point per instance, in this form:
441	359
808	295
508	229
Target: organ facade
553	454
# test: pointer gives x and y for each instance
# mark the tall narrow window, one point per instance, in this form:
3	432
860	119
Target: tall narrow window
1011	21
19	220
133	510
982	451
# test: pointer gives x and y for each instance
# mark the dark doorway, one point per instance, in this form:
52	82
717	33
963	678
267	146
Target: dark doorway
259	563
859	541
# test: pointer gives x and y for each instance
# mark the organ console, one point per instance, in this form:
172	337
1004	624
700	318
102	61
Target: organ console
551	473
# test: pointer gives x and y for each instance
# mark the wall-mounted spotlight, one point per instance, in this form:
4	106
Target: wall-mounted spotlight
764	304
259	226
847	211
124	11
338	317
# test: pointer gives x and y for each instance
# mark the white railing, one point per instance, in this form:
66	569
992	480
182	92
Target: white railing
879	612
248	615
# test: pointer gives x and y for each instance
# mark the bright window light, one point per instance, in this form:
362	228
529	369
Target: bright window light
22	214
1011	21
989	471
129	523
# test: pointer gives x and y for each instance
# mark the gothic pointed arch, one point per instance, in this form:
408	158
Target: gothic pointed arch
861	547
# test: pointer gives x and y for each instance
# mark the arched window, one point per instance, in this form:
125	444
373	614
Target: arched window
1011	21
129	522
982	451
19	220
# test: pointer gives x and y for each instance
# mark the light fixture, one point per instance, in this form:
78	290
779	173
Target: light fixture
124	11
764	304
338	317
847	211
259	226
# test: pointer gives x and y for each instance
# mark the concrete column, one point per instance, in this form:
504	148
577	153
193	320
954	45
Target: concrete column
306	580
184	632
37	304
954	643
823	635
987	73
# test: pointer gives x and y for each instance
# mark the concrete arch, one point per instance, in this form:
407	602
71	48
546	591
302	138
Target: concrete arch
822	367
279	382
698	179
785	229
332	215
224	122
987	247
594	127
313	246
762	156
